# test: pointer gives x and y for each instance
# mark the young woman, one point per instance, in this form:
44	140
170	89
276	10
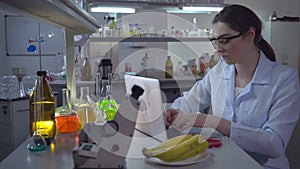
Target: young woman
253	99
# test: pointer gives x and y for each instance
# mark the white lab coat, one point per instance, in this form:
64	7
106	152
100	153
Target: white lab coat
263	115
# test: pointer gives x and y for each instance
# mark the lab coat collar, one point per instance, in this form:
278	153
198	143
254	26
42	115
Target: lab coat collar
261	75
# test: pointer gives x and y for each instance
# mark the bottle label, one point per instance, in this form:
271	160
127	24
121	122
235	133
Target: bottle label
169	71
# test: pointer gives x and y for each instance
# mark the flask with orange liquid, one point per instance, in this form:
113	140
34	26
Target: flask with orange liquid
67	119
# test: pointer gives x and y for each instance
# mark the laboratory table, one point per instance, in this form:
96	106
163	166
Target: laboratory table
59	156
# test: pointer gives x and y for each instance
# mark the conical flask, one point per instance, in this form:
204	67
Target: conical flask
85	108
67	120
109	104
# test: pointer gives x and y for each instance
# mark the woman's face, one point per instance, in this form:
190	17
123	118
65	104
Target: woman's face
229	43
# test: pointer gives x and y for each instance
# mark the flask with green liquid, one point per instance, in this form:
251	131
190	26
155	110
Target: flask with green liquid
109	104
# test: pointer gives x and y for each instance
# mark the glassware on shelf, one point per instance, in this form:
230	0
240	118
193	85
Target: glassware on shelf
42	109
85	110
20	72
9	87
169	68
67	120
28	83
179	69
86	70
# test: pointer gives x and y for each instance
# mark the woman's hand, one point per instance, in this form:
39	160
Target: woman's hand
190	120
170	116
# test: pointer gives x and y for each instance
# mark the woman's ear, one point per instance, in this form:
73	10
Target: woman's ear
250	35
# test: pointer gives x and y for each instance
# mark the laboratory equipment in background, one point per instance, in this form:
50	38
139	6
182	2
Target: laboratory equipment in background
20	72
86	74
104	68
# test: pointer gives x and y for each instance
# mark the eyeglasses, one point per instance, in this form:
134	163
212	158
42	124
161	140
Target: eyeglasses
223	41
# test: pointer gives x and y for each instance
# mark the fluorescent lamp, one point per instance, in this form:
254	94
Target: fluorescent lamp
112	9
202	8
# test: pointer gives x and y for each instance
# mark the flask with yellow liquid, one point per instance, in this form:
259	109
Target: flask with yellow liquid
85	109
42	108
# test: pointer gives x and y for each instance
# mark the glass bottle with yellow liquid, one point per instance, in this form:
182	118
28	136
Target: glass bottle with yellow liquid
109	104
42	108
169	68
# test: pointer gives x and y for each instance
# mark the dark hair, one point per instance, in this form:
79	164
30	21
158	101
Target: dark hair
241	18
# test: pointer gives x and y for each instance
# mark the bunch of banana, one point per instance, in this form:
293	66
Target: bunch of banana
178	148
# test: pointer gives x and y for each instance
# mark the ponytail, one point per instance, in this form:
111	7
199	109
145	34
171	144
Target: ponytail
267	49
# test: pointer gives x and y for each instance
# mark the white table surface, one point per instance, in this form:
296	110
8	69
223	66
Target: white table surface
58	156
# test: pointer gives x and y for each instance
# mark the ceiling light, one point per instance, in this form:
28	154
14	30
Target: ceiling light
202	8
113	9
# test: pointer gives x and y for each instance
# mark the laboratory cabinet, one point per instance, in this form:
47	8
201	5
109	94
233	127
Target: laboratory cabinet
14	124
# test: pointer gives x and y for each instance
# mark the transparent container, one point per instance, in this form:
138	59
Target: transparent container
179	69
67	120
169	68
109	104
100	95
86	74
85	109
37	141
42	108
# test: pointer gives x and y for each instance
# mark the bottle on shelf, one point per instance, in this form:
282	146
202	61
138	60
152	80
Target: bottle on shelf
144	65
42	108
77	68
133	29
179	68
109	104
67	120
212	61
113	24
202	65
86	74
169	68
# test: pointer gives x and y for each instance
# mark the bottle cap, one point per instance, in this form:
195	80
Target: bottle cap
41	73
